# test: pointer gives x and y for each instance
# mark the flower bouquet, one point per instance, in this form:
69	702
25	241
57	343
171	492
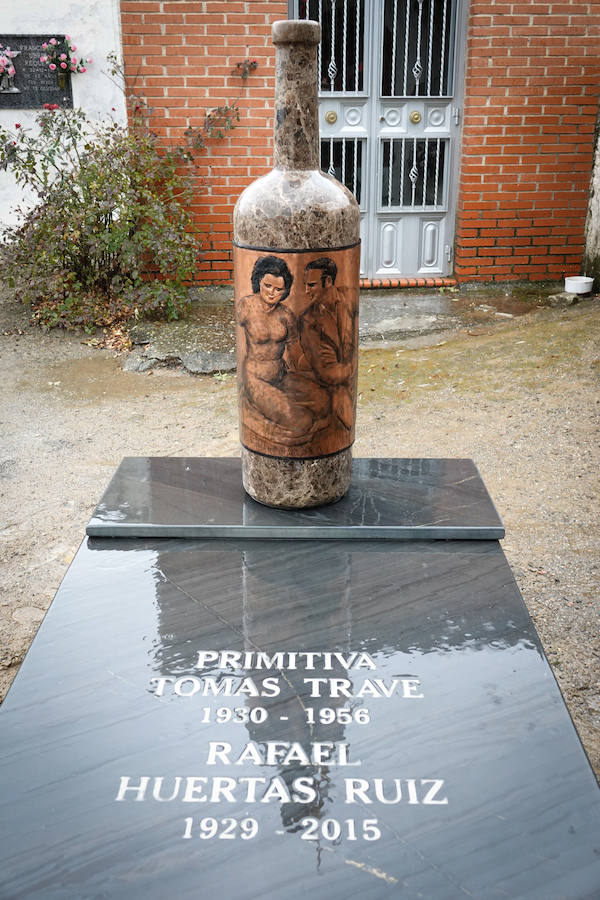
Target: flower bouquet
7	69
58	55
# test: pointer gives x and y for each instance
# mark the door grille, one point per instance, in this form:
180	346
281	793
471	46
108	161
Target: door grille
341	53
413	172
343	158
417	48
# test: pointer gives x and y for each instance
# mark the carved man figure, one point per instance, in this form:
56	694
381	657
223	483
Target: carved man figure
327	331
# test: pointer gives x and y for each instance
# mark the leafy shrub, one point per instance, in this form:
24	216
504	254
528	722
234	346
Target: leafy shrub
112	210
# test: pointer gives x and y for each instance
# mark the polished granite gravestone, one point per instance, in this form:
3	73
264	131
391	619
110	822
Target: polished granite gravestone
388	498
289	719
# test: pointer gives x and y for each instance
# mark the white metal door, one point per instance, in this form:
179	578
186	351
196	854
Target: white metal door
389	121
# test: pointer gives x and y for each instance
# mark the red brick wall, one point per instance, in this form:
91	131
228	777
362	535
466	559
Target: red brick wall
531	100
532	87
181	57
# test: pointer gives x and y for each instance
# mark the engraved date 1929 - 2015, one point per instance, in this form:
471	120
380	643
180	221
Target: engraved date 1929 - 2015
312	829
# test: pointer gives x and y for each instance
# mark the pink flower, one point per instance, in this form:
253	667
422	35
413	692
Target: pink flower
73	59
44	46
73	68
17	124
63	65
52	66
63	56
73	47
67	37
43	59
11	70
89	60
83	69
53	41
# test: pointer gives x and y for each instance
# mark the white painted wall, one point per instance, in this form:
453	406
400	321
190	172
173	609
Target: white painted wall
95	28
591	254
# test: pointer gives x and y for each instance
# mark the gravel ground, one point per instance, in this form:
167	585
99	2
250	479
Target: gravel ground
521	398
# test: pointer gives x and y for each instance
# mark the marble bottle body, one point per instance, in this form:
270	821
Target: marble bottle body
298	215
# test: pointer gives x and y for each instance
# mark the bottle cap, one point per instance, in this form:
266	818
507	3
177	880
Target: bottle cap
296	31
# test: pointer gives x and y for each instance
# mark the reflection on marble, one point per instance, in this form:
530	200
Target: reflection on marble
409	499
468	780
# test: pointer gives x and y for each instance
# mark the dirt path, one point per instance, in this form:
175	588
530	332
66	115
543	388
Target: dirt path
520	398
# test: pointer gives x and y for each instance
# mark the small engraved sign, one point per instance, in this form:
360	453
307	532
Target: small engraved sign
33	83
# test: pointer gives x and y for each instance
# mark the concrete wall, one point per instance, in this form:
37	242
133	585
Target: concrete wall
95	28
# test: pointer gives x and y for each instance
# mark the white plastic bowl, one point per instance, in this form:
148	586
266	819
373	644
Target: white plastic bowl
578	284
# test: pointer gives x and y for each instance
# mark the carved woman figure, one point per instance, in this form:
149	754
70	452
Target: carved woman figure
291	405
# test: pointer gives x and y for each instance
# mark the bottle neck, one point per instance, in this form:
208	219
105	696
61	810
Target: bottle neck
296	122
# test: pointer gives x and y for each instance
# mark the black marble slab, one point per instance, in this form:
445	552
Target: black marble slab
411	499
423	750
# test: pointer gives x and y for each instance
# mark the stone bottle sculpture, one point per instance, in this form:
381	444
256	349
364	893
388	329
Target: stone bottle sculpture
296	264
